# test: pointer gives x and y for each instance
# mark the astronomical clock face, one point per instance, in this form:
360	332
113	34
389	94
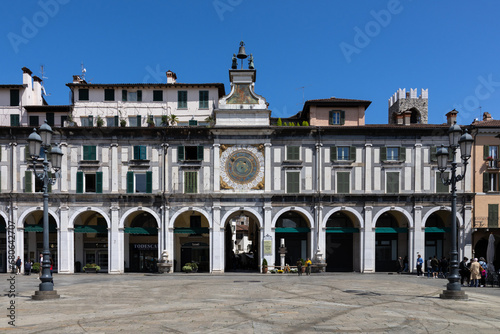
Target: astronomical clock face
242	167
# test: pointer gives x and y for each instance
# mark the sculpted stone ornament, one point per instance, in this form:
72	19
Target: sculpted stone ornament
234	65
251	65
242	168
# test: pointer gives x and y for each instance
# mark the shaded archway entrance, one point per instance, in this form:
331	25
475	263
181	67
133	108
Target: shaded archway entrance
33	238
435	231
91	241
391	240
295	230
3	245
141	242
241	246
341	239
192	241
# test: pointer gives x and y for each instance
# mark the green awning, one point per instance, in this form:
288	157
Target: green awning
342	230
437	229
39	228
91	229
292	230
142	230
391	230
187	230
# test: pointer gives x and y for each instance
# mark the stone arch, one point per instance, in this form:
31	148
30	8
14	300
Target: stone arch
245	209
127	213
436	209
350	210
31	210
307	215
5	218
388	209
78	212
181	211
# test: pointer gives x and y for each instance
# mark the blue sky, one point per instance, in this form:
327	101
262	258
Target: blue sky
315	49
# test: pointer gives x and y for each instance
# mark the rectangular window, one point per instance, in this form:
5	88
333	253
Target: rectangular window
182	99
190	182
193	122
14	120
490	182
63	119
343	186
50	118
490	155
203	99
83	94
112	121
158	120
33	121
28	182
293	182
87	121
89	182
336	117
190	153
109	94
140	152
392	154
440	187
392	182
14	97
135	121
89	153
139	182
343	153
293	153
492	215
157	95
132	96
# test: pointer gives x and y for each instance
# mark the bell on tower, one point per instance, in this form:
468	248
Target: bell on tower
241	53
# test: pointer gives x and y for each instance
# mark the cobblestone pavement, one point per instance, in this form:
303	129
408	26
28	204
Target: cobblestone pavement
249	303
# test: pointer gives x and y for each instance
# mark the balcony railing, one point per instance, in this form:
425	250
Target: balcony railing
484	222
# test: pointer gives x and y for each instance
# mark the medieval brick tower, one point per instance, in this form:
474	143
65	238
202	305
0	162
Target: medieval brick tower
408	108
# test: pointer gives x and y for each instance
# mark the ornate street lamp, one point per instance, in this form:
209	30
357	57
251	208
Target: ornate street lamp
453	288
37	143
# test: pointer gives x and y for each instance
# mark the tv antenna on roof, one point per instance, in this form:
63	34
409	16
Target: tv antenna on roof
303	96
84	70
42	74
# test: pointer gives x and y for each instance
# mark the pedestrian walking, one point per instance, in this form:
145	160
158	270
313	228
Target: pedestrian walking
429	267
299	267
18	265
435	267
399	265
27	267
405	263
475	273
420	262
444	266
40	266
308	267
463	269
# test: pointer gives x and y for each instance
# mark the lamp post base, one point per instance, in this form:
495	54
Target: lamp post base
457	295
44	295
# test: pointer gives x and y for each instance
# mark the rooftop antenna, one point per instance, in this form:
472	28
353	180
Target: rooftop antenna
42	74
84	70
303	93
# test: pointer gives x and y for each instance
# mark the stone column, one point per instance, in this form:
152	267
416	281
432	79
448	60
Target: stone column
368	168
65	177
217	242
169	236
418	172
418	236
369	242
267	162
411	251
268	231
115	171
14	171
321	235
216	165
66	246
115	246
465	234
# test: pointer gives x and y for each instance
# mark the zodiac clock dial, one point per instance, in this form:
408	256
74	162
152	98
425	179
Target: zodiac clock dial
242	167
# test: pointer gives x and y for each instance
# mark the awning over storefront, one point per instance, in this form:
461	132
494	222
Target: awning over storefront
91	229
142	230
391	230
342	230
38	228
437	229
292	229
187	230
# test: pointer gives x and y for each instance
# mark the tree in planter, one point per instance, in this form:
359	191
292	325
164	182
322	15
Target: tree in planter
279	122
264	266
123	122
164	120
99	121
172	119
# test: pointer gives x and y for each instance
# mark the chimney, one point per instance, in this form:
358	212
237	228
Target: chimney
407	116
28	87
487	116
399	119
171	77
37	91
451	117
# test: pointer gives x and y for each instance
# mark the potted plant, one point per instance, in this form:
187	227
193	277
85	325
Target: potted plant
91	268
187	268
303	265
264	266
151	122
99	121
123	122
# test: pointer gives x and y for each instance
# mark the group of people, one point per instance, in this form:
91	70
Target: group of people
28	265
435	268
307	265
473	273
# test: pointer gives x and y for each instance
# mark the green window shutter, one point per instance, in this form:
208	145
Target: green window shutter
352	153
14	120
486	182
293	153
383	153
203	97
91	120
486	151
402	154
343	182
27	156
433	153
130	182
79	182
124	95
440	187
14	97
330	117
191	182
142	152
89	153
392	182
182	99
149	182
98	182
139	120
199	153
293	182
116	120
180	153
333	153
93	152
28	182
492	215
139	95
137	152
342	117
